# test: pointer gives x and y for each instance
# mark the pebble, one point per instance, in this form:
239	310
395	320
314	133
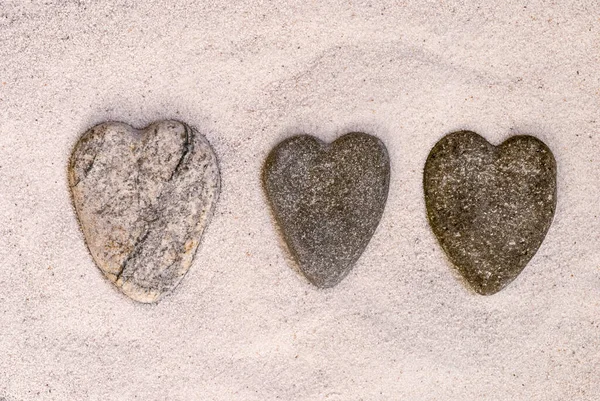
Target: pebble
143	199
327	200
490	207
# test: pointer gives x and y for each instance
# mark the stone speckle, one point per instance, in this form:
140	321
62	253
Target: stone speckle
490	207
143	199
327	200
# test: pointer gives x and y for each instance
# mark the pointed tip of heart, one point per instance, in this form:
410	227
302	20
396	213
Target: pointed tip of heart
325	282
137	293
487	288
134	291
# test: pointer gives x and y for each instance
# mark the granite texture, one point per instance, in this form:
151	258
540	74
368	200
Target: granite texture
143	199
490	207
327	200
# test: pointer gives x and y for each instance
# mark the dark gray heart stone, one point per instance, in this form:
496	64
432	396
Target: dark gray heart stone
490	207
143	199
327	200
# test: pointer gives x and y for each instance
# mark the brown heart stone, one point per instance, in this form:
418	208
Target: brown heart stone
490	207
143	199
327	200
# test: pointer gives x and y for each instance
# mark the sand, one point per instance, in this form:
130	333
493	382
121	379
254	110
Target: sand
243	325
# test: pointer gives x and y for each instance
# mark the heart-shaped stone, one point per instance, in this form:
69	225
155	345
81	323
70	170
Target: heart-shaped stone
143	199
490	207
327	200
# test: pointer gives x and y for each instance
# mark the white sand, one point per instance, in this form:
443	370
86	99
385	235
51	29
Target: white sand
243	325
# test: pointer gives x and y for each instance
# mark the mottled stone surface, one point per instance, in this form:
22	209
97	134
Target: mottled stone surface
143	199
490	207
327	200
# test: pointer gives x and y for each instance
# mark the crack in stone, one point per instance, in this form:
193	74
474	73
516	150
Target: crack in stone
187	148
87	170
134	253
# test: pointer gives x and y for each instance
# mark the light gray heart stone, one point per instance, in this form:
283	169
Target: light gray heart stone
327	200
490	207
143	199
